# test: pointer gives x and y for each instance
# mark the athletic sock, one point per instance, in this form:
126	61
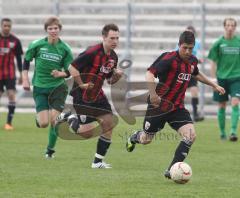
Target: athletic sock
102	147
221	121
11	110
52	138
181	152
194	106
234	119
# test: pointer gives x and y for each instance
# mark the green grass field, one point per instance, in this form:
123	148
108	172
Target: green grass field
24	172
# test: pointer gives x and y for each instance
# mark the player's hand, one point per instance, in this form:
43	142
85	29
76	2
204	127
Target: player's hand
26	85
117	74
56	74
219	89
155	100
86	85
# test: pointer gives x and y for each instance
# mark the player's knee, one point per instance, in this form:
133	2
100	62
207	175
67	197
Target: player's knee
43	124
107	124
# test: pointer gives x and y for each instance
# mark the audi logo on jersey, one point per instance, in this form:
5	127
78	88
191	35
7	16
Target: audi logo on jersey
183	77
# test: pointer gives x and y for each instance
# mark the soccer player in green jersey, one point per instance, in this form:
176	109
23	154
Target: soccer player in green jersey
224	56
52	58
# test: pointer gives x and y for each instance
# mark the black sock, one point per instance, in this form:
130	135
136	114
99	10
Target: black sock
181	152
11	109
102	147
194	106
135	137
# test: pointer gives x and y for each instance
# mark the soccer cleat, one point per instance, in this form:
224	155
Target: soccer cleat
167	174
129	145
101	165
62	117
74	123
8	127
233	137
223	137
49	154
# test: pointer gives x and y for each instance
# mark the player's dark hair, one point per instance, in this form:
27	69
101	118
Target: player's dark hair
6	19
192	29
52	21
187	37
109	27
229	19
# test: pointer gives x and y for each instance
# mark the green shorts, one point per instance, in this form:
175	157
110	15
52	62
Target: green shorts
232	88
50	98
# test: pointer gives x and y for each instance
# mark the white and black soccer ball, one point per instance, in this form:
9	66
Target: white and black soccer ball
181	172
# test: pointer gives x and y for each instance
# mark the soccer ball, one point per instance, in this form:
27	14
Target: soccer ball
181	172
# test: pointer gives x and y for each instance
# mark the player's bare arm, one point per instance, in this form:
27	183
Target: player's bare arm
204	79
59	74
154	98
25	80
213	68
76	75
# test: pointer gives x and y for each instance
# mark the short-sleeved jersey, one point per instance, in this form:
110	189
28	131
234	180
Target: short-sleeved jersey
48	57
226	54
10	47
94	66
174	75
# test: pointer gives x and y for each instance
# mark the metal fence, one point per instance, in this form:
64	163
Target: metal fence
147	29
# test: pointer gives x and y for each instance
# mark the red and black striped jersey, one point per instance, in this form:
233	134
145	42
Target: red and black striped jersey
10	47
94	66
174	75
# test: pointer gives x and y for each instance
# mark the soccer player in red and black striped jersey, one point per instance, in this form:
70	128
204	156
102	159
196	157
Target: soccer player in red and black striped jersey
166	100
10	48
90	69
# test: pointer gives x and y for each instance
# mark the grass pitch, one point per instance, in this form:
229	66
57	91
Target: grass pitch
24	172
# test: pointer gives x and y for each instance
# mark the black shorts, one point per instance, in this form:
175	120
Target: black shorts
175	119
192	82
8	83
88	112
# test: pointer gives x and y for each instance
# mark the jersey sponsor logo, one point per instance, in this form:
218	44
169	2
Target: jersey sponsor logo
4	50
183	77
107	67
105	70
51	57
231	50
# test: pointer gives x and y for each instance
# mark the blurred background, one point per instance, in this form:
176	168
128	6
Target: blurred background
147	28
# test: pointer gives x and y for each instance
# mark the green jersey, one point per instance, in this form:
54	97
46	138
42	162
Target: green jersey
226	54
48	57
